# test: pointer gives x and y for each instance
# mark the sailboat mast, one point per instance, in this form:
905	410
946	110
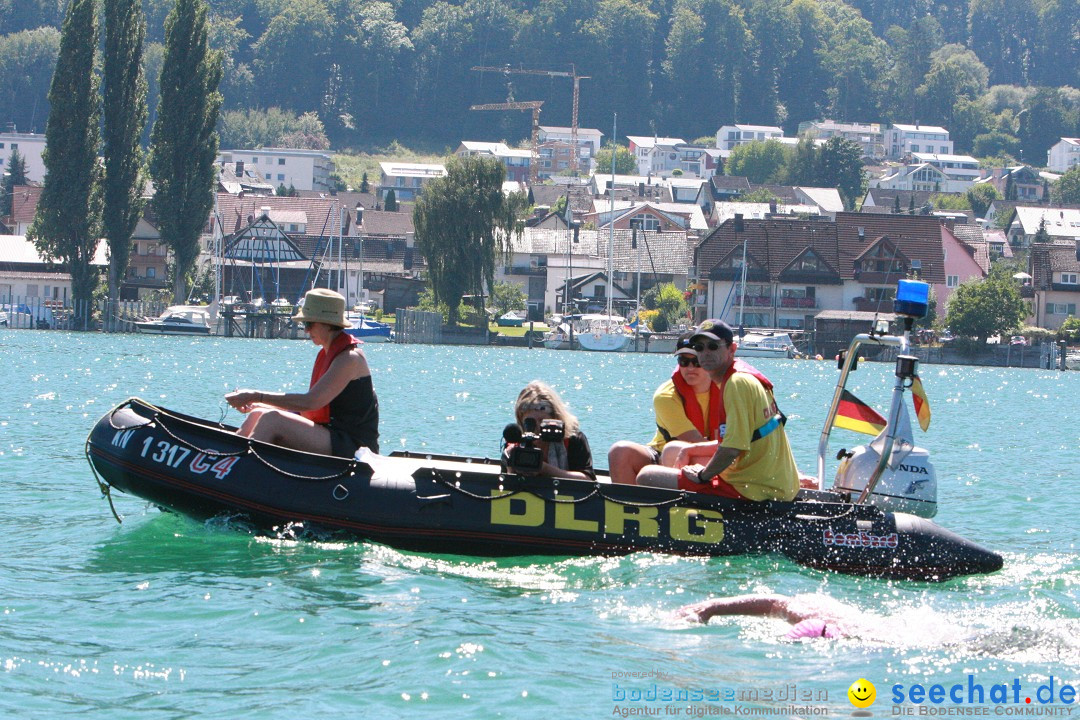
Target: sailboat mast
611	207
742	287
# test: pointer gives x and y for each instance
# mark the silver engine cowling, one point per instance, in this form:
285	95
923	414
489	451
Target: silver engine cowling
907	484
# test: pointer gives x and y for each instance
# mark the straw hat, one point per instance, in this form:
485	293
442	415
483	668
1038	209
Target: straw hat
323	306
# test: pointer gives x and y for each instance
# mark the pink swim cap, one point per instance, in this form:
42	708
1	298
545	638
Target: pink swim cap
812	628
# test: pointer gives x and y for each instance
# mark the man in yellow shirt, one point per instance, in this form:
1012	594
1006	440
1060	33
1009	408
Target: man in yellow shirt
753	460
688	410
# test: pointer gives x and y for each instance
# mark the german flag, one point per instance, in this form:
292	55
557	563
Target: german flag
922	405
854	414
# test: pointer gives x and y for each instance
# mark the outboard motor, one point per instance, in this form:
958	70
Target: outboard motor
907	484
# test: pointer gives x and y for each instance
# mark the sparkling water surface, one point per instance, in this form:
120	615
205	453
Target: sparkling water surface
164	617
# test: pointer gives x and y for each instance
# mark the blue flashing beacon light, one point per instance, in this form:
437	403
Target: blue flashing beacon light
912	298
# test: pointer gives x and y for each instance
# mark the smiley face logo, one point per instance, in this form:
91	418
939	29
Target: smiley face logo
862	693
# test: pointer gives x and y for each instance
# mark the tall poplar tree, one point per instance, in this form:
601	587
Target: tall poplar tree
69	211
184	141
124	117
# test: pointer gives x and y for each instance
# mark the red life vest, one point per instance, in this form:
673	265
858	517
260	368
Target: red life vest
717	416
342	343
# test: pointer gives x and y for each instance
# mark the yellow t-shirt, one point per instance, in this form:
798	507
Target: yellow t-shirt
766	469
671	416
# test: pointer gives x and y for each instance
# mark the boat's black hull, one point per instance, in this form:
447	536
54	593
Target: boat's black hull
453	505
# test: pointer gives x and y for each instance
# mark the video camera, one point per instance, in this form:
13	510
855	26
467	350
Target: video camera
524	456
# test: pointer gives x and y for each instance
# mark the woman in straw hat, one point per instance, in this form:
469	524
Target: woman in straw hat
340	412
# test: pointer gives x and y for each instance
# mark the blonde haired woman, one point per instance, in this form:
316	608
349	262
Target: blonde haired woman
567	458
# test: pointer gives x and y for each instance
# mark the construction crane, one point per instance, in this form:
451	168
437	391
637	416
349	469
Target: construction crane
507	70
533	105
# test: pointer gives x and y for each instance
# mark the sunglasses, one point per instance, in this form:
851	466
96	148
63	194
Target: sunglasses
309	325
702	347
687	361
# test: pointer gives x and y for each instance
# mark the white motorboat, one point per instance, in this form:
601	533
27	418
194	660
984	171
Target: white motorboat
774	345
179	320
558	338
368	330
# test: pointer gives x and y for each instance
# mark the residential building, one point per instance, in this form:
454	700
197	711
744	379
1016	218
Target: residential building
797	267
30	147
1055	284
1061	223
407	180
931	173
275	246
236	178
729	137
545	262
27	277
516	160
903	140
655	155
24	207
642	187
870	137
291	167
589	141
1027	184
148	262
1062	157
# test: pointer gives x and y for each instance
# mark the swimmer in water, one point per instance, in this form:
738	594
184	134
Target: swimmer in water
811	616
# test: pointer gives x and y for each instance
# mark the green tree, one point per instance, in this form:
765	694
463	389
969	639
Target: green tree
184	142
124	115
1066	190
463	224
364	186
507	296
300	29
970	119
1042	123
802	166
760	195
624	161
254	128
840	166
759	161
1010	188
985	308
27	60
996	144
15	176
1041	236
956	72
980	196
69	210
390	204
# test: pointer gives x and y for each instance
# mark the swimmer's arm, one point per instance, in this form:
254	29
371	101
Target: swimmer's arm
762	605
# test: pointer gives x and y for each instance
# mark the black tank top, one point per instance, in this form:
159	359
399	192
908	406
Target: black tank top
355	411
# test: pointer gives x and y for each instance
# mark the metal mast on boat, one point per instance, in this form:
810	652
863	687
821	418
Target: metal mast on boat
611	207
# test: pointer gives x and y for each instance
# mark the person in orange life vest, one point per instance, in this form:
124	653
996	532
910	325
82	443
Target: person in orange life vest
753	459
570	458
687	409
339	413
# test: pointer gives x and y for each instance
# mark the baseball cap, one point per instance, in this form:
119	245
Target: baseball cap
714	329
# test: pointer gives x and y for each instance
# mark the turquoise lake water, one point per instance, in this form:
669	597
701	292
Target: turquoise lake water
163	617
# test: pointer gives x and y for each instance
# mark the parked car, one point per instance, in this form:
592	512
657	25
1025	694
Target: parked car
514	318
1018	340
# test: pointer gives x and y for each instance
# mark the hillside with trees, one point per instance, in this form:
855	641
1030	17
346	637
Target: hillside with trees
1001	75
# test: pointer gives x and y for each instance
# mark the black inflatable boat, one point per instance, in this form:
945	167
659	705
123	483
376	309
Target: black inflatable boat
447	504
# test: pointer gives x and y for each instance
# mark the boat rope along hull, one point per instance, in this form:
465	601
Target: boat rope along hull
462	506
